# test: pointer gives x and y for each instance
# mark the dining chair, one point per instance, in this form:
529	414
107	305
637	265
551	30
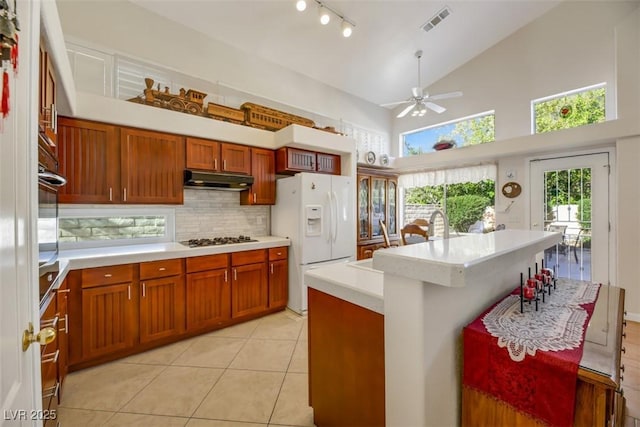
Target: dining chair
385	235
413	233
421	222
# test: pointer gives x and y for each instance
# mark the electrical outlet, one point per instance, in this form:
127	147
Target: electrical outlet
259	219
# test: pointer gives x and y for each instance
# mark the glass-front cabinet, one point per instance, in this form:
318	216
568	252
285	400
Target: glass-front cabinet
377	201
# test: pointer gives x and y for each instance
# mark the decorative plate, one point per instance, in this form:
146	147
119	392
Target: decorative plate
384	160
511	189
370	157
443	145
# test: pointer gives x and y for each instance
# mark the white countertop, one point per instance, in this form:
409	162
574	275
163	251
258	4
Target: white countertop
452	262
114	255
355	282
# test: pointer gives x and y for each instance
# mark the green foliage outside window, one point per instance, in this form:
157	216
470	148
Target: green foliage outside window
464	211
570	111
435	195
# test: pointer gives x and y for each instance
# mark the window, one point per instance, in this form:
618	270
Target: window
466	195
82	228
471	130
569	109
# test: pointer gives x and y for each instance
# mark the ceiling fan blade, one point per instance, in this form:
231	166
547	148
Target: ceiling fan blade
405	111
446	95
417	92
392	104
435	107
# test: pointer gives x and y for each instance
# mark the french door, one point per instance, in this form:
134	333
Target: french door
570	195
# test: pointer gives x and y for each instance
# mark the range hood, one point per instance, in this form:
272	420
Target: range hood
216	181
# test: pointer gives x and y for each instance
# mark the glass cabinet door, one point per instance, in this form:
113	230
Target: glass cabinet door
378	205
392	226
363	208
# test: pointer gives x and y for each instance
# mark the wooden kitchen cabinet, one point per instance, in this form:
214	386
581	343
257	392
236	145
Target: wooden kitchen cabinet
109	321
89	155
278	277
152	167
106	164
49	358
47	111
162	300
290	161
328	163
208	291
249	283
203	154
216	156
263	169
377	201
62	306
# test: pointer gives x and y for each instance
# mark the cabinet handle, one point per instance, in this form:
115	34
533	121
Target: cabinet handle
66	321
50	358
162	269
53	323
125	194
108	275
51	391
55	118
271	268
111	194
279	253
144	289
235	274
129	292
225	276
254	197
215	164
224	165
64	291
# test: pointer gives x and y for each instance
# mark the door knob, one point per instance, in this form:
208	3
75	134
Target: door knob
45	336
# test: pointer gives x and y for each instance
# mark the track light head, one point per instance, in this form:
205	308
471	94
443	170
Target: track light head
301	5
325	17
347	28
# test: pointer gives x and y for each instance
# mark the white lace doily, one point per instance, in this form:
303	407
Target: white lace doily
557	325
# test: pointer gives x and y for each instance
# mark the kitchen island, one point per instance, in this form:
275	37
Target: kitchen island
430	292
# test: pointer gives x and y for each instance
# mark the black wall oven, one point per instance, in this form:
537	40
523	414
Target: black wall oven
49	181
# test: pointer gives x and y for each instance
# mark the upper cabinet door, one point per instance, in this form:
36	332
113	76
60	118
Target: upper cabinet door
328	163
152	167
263	169
89	155
235	158
364	194
203	154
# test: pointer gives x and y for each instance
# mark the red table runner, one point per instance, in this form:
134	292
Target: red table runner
530	360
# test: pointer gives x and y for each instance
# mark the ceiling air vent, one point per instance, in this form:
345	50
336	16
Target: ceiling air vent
437	18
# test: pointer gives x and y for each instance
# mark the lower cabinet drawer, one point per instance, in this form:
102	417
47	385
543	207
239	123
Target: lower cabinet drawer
248	257
164	268
101	276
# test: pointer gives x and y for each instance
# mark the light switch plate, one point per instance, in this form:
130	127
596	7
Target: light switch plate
511	174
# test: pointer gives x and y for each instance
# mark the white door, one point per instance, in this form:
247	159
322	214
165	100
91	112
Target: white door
344	205
316	242
19	371
571	195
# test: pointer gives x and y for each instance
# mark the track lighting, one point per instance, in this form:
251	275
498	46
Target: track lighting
324	15
324	12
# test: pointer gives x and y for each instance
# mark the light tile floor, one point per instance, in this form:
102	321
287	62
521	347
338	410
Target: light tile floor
251	374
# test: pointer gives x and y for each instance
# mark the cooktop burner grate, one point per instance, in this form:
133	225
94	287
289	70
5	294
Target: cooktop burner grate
215	241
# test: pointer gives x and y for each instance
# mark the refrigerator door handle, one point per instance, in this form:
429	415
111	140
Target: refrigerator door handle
335	225
330	225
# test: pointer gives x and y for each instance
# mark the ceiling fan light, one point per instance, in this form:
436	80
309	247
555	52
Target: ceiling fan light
347	29
301	5
324	15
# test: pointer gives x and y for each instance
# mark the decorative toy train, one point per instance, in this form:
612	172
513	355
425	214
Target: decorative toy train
192	102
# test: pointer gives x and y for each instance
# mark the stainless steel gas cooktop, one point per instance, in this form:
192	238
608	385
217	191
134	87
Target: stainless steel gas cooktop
215	241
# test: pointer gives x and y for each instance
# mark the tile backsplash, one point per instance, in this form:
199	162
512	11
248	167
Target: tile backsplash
209	213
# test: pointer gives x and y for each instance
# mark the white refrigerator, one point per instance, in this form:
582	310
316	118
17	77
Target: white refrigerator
317	212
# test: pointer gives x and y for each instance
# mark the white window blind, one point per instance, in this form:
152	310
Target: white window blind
448	176
130	77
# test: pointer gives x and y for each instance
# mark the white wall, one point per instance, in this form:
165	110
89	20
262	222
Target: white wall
572	46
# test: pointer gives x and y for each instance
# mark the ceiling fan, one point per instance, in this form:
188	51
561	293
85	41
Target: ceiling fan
420	100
